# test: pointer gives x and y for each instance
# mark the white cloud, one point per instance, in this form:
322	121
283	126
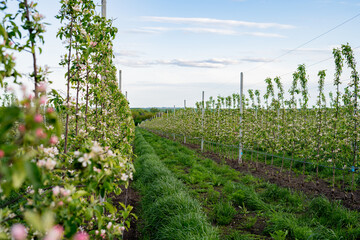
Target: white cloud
220	31
213	21
205	63
142	31
261	34
158	84
257	60
134	63
127	53
210	30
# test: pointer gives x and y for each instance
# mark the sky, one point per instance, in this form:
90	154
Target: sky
171	51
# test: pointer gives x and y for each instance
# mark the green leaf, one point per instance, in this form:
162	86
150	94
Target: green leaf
8	116
118	191
3	32
110	208
18	175
33	174
70	228
98	214
42	223
108	186
79	194
34	219
89	213
3	235
47	220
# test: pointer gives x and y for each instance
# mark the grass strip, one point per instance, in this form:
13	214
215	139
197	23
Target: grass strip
167	209
290	215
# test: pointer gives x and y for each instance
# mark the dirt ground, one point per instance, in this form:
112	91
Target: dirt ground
273	174
288	179
130	197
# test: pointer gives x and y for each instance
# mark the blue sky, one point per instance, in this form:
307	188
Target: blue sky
172	50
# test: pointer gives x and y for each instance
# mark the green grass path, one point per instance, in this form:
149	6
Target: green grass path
244	207
167	209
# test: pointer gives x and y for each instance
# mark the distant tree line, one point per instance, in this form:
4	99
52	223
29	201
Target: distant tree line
141	114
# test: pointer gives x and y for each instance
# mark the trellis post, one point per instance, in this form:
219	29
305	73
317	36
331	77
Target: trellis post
103	8
241	112
120	80
174	122
202	122
184	113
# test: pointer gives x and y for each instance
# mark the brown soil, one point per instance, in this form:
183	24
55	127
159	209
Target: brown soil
240	220
285	178
130	197
288	179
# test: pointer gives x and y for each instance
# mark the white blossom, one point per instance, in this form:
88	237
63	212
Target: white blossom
85	160
124	177
96	148
77	8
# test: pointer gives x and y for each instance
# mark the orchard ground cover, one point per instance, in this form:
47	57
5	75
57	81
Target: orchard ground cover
245	207
277	173
167	209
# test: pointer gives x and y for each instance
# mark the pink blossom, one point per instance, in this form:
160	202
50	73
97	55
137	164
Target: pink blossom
26	104
23	87
109	225
55	233
53	140
60	203
22	128
50	110
2	153
10	89
42	87
50	164
81	236
41	163
40	133
31	96
38	16
65	192
43	100
56	190
38	118
18	232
